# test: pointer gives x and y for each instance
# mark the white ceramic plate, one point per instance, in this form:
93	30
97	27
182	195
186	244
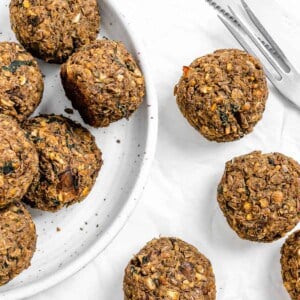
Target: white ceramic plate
128	148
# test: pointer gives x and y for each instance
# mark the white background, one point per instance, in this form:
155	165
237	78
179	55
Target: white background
180	197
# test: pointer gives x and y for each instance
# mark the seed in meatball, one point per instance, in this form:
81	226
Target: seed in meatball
21	82
169	268
18	240
69	162
53	29
18	161
259	195
103	82
223	94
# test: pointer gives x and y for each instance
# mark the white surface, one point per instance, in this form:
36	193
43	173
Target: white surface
87	228
180	197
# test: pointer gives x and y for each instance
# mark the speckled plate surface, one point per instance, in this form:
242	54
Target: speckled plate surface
69	239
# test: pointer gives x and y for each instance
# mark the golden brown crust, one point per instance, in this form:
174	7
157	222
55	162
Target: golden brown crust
290	265
18	161
168	268
69	162
259	195
223	94
21	82
53	29
103	82
17	241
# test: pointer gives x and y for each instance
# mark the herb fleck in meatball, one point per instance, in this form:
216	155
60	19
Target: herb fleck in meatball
103	82
53	29
69	162
17	242
21	82
223	94
259	195
18	161
168	268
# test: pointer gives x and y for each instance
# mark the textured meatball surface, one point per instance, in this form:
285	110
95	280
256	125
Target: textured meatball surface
223	94
69	162
169	268
259	195
290	265
17	241
103	82
21	82
53	29
18	161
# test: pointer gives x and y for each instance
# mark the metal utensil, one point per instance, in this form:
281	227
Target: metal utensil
286	78
221	6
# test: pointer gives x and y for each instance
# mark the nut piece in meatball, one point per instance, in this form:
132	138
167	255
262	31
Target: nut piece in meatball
18	161
69	162
53	29
168	268
259	195
223	95
103	82
18	241
290	265
21	82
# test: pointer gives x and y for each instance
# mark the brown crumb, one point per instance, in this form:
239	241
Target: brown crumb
58	229
69	111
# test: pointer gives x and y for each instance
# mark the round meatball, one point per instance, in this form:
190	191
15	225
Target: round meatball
168	268
103	82
18	161
290	265
259	195
53	29
223	95
69	162
18	241
21	82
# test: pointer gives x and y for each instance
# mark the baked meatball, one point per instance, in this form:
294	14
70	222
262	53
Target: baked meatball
223	95
18	161
103	82
21	82
168	268
17	242
69	162
53	29
259	195
290	265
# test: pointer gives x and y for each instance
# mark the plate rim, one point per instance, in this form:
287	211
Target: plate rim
128	208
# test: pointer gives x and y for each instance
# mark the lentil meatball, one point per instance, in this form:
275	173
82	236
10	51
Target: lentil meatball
69	162
290	265
223	94
103	82
259	195
53	29
21	82
17	242
168	268
18	161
